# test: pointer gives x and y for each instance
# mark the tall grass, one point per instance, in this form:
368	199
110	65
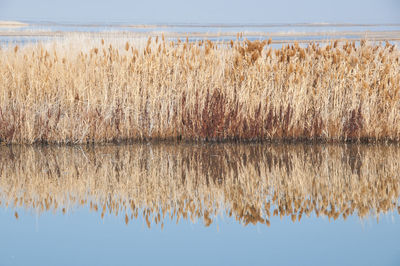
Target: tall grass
84	90
251	183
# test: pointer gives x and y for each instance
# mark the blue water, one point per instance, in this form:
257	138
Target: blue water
82	238
284	31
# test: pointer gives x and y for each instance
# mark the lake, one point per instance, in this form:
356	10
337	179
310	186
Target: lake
175	203
281	33
200	204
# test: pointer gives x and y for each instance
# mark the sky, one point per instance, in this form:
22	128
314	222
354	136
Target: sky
202	11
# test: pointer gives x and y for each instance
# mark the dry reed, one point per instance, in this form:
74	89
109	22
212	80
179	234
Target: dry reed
251	183
87	90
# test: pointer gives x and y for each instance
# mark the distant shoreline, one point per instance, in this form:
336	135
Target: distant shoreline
12	24
301	37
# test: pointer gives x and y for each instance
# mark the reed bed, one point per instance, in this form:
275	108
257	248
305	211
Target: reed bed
251	183
92	90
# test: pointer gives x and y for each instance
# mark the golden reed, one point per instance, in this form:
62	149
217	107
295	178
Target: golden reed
91	90
251	183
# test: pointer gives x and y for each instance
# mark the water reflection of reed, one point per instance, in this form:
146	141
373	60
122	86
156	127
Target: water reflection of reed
249	182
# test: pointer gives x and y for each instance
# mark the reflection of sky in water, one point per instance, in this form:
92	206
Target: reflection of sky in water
81	238
365	173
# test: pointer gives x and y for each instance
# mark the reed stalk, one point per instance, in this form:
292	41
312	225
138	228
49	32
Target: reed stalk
91	90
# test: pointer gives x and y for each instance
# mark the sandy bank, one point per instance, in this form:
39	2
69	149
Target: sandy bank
12	24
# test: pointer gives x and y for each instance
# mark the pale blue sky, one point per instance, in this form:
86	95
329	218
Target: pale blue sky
202	11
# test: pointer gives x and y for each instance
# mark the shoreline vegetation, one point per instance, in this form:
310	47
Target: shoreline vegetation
86	89
250	183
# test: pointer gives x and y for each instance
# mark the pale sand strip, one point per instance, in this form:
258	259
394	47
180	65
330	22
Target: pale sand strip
12	24
306	36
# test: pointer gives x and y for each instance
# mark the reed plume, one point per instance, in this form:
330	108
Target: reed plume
86	90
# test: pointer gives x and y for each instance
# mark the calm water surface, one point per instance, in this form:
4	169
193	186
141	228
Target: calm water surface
195	204
34	31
